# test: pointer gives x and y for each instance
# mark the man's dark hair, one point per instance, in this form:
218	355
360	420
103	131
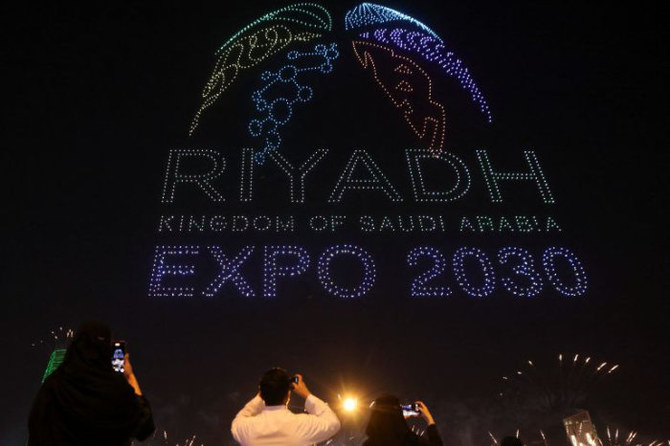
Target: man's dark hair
274	386
511	441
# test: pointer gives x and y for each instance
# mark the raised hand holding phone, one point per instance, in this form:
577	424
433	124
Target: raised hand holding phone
425	413
299	387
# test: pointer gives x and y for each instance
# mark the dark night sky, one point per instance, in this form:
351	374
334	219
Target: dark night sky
95	96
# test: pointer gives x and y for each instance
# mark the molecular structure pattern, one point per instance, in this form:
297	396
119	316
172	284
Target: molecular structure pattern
276	110
242	54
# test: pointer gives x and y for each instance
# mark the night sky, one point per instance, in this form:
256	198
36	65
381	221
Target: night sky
96	97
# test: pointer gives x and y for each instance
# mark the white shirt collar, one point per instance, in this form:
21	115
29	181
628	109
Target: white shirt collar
280	407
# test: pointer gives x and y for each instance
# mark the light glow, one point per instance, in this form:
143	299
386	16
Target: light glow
350	404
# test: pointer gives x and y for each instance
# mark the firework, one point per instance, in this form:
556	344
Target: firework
517	433
58	338
493	438
162	440
564	388
631	439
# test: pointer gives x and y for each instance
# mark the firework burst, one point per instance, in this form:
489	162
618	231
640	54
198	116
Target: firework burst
56	339
161	439
562	385
620	437
540	438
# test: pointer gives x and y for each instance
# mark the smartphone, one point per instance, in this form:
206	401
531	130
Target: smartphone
118	355
410	410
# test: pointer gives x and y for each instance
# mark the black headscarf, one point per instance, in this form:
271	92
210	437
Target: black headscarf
387	425
84	401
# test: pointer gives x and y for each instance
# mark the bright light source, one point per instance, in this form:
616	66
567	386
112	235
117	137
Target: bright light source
350	404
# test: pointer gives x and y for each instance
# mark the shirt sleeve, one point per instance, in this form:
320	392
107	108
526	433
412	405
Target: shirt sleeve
39	417
431	437
239	425
320	423
145	425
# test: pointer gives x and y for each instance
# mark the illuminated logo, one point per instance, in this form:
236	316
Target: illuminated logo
410	238
391	55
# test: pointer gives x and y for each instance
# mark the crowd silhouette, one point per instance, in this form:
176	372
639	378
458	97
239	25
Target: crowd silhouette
87	402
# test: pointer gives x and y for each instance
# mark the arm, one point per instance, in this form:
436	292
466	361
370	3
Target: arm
320	423
431	436
145	426
145	423
251	409
130	375
39	416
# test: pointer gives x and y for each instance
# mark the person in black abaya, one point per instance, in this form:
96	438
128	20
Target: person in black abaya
84	402
388	427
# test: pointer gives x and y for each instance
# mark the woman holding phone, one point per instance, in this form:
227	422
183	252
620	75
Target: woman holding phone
388	427
85	402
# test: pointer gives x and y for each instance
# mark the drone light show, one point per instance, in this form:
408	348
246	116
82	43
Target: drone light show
291	53
458	204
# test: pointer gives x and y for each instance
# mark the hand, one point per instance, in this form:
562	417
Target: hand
130	375
300	388
425	413
127	366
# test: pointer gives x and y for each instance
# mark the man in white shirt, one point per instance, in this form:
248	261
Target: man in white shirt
266	420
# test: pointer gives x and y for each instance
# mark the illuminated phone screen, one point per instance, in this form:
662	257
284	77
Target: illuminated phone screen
118	357
410	410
